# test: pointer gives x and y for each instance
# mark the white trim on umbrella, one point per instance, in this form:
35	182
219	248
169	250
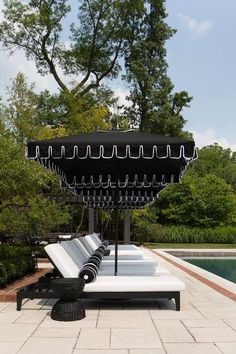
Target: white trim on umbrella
90	153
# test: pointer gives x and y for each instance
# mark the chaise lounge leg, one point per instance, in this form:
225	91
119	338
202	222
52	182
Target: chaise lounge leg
18	301
177	301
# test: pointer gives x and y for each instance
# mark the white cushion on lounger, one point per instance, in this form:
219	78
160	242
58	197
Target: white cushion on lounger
135	284
121	248
81	246
125	267
128	269
62	260
64	237
96	239
133	271
82	243
122	254
75	253
130	248
78	247
70	267
79	257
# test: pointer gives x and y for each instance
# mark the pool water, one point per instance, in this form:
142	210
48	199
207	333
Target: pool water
225	268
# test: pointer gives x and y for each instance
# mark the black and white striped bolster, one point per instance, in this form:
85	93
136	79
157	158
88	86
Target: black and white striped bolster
101	248
95	260
98	254
88	273
107	252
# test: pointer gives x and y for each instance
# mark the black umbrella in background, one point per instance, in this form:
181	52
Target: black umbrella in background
115	169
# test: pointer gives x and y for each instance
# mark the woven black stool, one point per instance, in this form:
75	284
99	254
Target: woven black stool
68	308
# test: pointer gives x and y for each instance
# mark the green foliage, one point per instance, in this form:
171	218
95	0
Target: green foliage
95	43
11	251
18	176
37	218
106	31
34	26
154	107
202	209
2	114
21	110
16	261
215	160
74	114
32	116
204	201
3	275
24	211
27	117
83	117
150	232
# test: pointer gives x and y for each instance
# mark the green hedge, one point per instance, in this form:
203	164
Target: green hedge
144	232
15	262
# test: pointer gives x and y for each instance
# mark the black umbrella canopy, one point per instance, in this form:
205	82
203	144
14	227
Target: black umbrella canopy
115	169
128	199
114	159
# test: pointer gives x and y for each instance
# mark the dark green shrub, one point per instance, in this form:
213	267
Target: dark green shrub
16	261
149	232
3	275
11	271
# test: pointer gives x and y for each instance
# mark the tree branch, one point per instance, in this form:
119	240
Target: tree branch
53	47
99	79
92	51
50	62
14	43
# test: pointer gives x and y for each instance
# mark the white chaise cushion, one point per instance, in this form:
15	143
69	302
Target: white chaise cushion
62	260
93	241
135	284
69	266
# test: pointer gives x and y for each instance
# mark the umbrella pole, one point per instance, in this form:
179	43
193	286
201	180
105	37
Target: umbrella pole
116	232
116	241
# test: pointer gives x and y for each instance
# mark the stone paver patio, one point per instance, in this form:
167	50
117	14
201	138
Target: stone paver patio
206	324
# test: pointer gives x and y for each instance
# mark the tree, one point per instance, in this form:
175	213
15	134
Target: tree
24	211
32	116
215	160
18	176
36	219
2	114
95	44
106	31
154	107
205	201
21	109
24	112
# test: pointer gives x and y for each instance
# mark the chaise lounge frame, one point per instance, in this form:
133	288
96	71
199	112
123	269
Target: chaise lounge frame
42	290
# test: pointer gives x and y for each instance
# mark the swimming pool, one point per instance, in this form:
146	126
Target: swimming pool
224	267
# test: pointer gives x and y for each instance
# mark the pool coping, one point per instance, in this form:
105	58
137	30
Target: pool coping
184	252
221	285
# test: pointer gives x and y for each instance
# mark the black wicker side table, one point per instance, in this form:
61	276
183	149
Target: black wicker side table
68	307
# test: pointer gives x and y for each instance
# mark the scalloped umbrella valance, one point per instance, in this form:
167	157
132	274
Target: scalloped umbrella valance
115	169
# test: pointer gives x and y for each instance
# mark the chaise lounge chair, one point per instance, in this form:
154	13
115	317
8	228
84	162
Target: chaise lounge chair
82	246
159	285
130	267
93	241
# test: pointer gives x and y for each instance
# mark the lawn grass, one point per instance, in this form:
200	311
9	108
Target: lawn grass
190	245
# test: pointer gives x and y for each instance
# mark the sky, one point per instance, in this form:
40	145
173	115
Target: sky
202	61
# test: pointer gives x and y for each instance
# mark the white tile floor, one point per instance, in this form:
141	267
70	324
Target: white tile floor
206	324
